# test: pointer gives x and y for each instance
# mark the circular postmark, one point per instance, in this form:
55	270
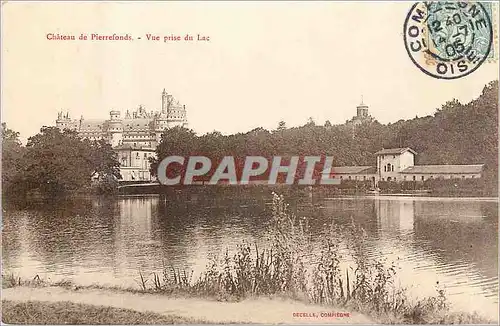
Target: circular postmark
448	40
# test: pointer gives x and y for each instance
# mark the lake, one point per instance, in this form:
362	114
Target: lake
453	241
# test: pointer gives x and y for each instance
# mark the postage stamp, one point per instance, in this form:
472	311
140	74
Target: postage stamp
449	40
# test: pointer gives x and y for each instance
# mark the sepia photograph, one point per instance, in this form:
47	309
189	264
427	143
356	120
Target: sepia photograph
246	162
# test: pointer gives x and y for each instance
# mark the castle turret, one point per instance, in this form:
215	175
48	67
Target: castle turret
176	114
362	110
164	101
185	122
115	128
63	121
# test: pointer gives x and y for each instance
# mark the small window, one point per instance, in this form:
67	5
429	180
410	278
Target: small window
393	156
392	168
364	177
463	177
423	178
340	177
349	177
414	177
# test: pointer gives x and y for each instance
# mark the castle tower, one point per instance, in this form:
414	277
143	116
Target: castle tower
164	103
160	123
115	128
63	120
176	114
185	122
362	110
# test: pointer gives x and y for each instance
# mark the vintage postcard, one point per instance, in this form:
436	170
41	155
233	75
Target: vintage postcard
249	162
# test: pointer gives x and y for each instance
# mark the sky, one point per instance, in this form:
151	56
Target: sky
265	62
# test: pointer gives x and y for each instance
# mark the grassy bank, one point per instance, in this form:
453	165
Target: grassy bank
58	313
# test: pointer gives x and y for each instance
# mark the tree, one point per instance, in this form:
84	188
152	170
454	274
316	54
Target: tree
281	126
177	141
12	163
106	167
310	122
58	162
328	124
105	160
456	134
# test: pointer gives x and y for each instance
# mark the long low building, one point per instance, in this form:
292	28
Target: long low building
424	172
397	164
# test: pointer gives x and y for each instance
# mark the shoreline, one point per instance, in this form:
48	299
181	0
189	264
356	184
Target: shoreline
182	307
251	310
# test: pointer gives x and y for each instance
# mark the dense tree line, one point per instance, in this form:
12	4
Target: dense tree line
54	163
456	134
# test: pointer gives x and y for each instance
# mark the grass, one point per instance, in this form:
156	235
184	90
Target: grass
58	313
11	280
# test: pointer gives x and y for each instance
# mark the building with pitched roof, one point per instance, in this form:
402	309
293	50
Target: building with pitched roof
397	164
134	137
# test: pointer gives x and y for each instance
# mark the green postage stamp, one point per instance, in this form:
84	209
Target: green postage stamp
449	40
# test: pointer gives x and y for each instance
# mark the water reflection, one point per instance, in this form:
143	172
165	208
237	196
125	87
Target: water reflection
451	241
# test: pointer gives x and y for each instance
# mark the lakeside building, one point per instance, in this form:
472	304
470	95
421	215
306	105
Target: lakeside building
134	137
397	164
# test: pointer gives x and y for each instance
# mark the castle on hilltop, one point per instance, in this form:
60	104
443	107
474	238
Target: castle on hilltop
134	137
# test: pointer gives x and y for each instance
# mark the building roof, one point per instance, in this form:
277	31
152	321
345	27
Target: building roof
137	124
392	151
353	170
444	169
92	124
